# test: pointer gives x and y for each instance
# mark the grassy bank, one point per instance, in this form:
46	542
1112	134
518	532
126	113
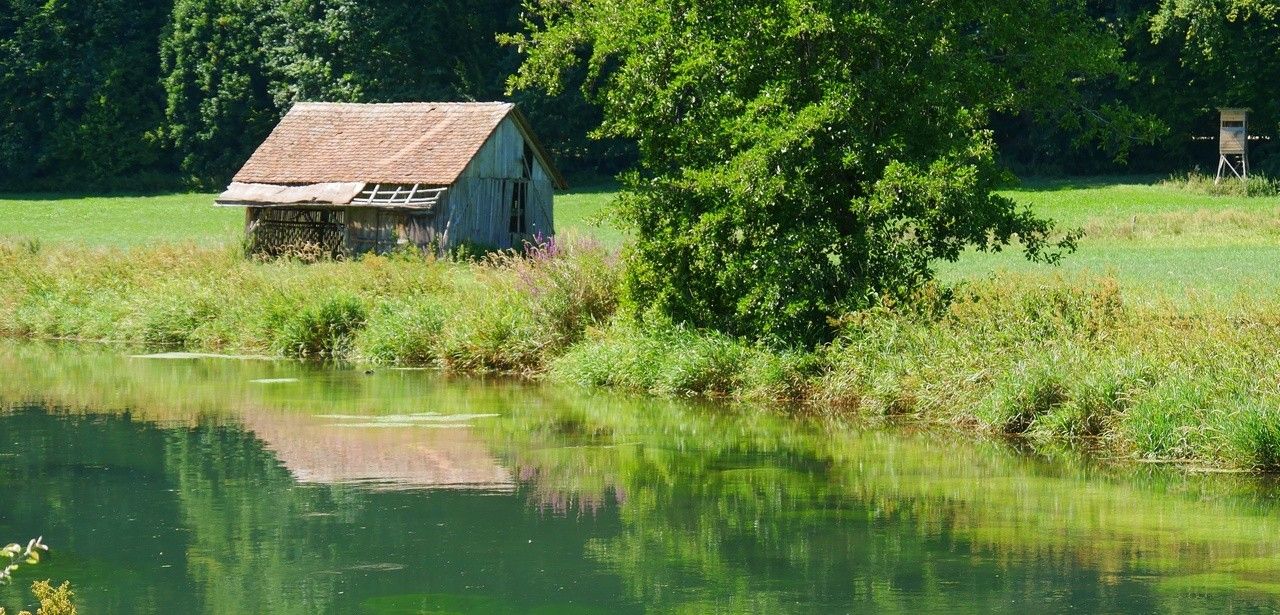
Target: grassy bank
502	313
1062	361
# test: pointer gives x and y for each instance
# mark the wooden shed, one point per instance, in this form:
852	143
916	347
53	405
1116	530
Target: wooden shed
345	178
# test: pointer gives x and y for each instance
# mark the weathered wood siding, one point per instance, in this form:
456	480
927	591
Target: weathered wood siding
371	229
541	200
477	208
421	227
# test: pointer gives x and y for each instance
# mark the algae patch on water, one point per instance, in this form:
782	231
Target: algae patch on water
189	356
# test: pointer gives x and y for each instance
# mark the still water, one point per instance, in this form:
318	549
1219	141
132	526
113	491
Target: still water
204	485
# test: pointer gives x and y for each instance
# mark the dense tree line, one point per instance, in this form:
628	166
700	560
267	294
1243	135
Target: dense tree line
104	93
1179	61
101	92
79	89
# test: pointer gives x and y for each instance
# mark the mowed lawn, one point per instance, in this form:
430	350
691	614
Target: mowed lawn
1158	241
118	220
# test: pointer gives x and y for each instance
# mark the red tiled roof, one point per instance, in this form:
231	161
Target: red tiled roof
392	143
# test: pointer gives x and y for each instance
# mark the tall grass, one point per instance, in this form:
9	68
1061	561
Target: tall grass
1050	360
1054	362
506	312
1195	181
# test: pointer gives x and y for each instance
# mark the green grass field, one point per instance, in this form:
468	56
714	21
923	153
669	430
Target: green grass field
130	220
1158	241
117	220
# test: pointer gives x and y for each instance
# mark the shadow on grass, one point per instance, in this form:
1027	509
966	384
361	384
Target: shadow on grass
91	194
1057	184
591	183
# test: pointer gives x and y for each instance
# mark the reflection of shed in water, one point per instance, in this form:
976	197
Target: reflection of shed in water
327	450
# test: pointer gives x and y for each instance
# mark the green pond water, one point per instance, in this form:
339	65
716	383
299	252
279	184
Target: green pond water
207	485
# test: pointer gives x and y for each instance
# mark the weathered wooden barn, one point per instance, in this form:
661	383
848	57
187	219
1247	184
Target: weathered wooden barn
343	178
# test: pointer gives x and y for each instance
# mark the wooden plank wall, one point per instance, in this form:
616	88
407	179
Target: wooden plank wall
541	198
374	229
478	206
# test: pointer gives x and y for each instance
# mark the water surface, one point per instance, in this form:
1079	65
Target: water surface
204	485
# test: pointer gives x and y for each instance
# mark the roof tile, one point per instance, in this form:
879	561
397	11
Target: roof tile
390	143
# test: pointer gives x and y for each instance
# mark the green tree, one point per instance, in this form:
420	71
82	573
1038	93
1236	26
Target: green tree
79	93
799	159
219	105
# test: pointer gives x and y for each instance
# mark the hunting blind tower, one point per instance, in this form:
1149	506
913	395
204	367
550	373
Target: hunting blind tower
1233	143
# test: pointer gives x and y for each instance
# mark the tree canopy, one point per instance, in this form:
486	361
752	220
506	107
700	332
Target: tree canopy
112	93
803	158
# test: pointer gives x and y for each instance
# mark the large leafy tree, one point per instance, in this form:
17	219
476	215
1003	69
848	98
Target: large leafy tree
800	158
219	104
79	93
233	67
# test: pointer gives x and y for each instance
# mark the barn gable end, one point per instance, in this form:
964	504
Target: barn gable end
372	177
480	203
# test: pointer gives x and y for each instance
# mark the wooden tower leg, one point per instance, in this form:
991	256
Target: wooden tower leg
1222	160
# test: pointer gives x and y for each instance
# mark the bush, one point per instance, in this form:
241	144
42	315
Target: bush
53	601
405	332
322	329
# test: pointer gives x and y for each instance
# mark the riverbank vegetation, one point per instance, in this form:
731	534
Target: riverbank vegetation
1061	360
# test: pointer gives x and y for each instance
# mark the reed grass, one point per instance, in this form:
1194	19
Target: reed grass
1202	183
505	312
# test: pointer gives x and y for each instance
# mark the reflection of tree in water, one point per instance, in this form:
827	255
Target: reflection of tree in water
752	511
71	481
247	519
675	506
